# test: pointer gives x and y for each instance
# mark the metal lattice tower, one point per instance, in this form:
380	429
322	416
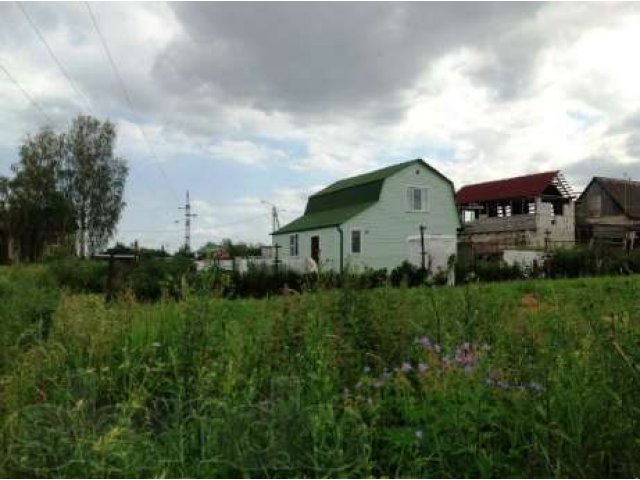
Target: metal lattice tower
187	223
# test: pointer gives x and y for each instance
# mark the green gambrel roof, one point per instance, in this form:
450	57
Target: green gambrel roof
324	219
376	175
344	199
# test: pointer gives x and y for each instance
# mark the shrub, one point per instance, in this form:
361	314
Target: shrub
79	275
488	271
152	277
260	281
407	274
581	262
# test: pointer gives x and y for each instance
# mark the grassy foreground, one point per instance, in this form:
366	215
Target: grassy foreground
535	379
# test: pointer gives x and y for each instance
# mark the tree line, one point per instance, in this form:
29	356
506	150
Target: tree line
67	189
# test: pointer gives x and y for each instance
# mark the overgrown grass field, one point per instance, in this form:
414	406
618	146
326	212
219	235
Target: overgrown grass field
523	379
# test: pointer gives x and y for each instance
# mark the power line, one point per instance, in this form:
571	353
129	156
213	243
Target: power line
127	96
53	56
109	57
35	104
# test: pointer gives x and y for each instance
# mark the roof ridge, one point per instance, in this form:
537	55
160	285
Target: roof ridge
334	187
612	179
555	172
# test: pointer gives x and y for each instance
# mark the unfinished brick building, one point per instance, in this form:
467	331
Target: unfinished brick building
529	212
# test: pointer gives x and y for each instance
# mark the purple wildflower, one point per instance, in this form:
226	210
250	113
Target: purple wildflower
465	357
406	367
422	367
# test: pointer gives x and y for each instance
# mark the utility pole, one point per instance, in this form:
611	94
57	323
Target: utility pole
422	250
187	223
275	221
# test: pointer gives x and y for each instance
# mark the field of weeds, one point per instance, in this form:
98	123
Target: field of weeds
523	379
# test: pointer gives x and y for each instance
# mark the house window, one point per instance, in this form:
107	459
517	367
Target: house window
417	199
293	245
356	241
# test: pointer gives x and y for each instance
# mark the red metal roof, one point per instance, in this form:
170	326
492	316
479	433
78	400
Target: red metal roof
508	188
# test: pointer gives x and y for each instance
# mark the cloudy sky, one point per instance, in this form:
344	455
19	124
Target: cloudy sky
243	102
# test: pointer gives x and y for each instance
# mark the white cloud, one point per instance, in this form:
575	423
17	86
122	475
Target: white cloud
246	152
515	90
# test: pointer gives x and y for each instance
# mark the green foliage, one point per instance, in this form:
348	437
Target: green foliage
147	279
260	281
521	379
238	249
28	299
488	271
94	180
408	274
154	276
580	262
36	211
79	275
63	184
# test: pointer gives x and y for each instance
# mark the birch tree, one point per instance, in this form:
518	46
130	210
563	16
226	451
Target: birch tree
94	180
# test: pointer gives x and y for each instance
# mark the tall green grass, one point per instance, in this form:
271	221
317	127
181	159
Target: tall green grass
535	379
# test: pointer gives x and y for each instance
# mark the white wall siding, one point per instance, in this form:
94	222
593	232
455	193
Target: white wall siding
329	253
387	225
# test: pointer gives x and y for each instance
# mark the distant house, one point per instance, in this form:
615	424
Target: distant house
531	211
373	220
608	212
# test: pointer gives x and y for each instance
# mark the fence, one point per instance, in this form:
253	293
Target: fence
242	265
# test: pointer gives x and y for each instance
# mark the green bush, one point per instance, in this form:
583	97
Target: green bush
79	275
582	262
407	274
153	276
488	271
261	281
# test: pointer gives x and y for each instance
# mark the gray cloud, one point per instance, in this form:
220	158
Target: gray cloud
329	58
334	88
633	145
580	173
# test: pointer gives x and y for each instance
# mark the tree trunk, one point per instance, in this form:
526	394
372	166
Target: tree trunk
83	232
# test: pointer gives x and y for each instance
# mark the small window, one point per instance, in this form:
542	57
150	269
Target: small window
293	245
356	241
417	199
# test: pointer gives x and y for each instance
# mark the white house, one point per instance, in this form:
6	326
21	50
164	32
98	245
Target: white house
374	220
